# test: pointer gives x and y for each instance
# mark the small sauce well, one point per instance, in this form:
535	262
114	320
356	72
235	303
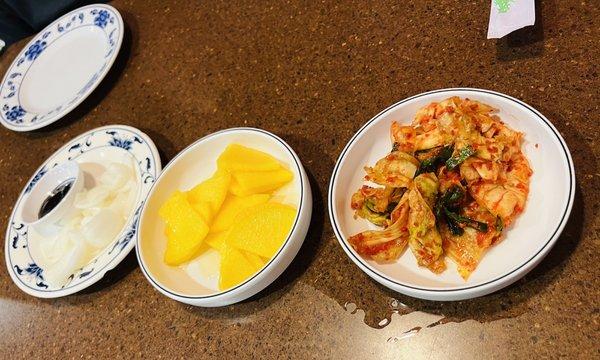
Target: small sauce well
55	197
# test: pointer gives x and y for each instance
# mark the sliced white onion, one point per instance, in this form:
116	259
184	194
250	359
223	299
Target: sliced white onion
93	197
116	176
100	229
97	218
123	202
73	221
77	256
88	214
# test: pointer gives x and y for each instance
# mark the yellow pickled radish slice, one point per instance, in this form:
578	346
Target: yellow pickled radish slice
232	207
256	182
235	267
208	196
240	158
186	229
263	229
256	261
216	239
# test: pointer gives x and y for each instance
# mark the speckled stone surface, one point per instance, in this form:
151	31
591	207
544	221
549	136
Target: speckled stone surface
313	73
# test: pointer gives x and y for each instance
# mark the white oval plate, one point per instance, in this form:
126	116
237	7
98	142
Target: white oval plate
187	169
525	243
94	147
60	67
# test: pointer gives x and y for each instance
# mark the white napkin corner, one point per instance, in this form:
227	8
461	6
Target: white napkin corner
507	16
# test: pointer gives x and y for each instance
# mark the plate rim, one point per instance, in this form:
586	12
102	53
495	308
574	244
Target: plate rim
94	277
293	230
484	287
90	89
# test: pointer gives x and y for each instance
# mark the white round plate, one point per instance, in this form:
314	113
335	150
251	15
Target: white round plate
93	148
525	243
187	169
60	67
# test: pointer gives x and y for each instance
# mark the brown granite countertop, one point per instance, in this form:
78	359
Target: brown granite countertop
313	73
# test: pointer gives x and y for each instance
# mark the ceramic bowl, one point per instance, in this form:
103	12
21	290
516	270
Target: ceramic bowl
192	165
525	243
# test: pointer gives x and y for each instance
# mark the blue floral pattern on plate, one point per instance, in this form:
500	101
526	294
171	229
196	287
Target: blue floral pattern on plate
124	144
33	271
25	271
35	50
16	115
102	18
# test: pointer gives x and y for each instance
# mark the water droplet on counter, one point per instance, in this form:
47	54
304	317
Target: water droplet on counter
398	306
410	333
351	307
405	335
384	322
379	320
439	322
414	330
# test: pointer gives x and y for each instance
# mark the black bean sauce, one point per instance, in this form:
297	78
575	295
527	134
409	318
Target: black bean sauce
55	198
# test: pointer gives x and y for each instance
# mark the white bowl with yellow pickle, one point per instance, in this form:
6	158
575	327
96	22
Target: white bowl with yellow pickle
225	218
464	192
